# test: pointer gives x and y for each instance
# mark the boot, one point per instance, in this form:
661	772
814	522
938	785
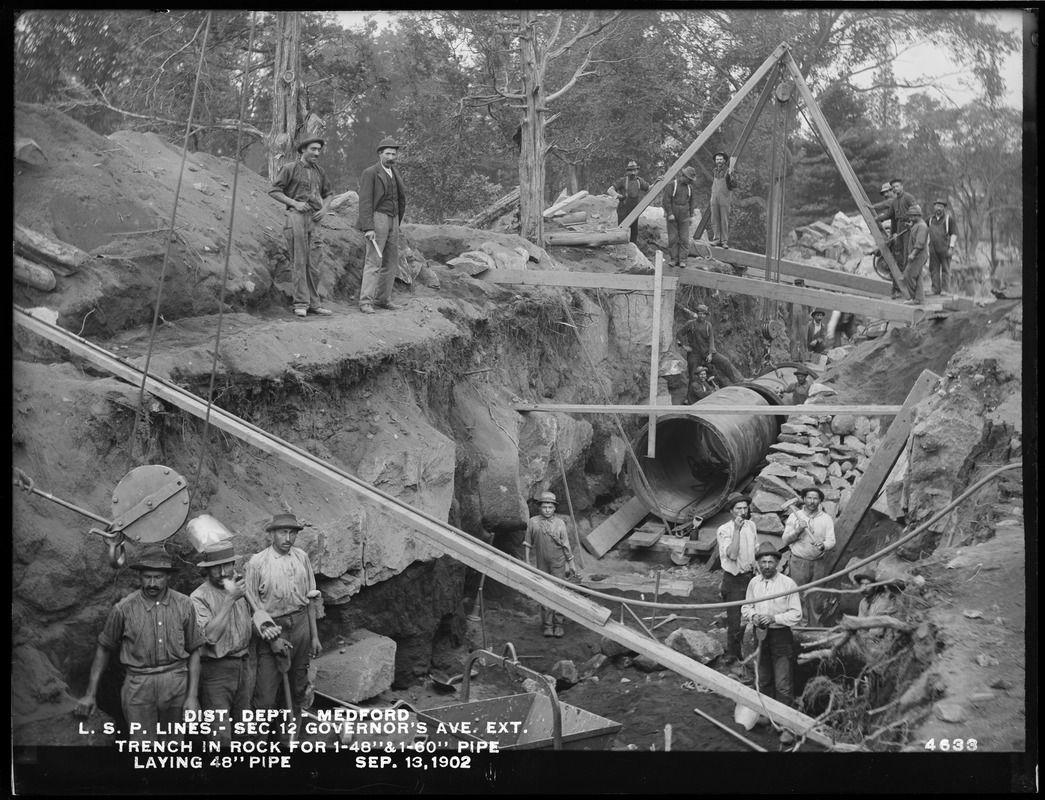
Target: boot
548	630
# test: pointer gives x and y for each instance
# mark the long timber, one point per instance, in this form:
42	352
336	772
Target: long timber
700	411
575	279
434	532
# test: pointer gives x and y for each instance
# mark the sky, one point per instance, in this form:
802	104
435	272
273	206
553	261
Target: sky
923	60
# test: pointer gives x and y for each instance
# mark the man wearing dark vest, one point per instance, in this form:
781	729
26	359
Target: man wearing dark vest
382	202
679	200
628	190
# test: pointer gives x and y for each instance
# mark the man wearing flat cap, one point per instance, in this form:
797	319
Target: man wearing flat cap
810	532
773	620
382	203
943	236
736	549
679	200
280	577
697	339
220	602
917	256
547	539
628	190
722	185
305	191
158	638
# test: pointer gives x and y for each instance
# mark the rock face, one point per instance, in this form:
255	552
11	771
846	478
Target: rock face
360	669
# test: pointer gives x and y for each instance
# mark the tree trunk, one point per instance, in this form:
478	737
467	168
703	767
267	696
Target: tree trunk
531	151
63	258
574	178
286	90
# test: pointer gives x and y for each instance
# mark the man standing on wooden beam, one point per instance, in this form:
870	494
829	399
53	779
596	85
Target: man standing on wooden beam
721	196
897	213
697	338
628	190
679	200
943	236
917	257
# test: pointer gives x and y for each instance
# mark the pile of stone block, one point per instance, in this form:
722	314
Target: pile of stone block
828	452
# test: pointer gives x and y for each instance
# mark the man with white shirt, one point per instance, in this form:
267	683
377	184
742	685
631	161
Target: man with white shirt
810	532
773	620
382	203
736	550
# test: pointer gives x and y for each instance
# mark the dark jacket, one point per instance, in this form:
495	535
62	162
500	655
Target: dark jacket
373	185
678	198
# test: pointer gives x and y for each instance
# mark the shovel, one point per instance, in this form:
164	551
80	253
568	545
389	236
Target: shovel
445	684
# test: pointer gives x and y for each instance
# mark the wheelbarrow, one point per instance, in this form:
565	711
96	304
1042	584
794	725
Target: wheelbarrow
530	721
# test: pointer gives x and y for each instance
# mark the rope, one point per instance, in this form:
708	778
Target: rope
170	236
228	254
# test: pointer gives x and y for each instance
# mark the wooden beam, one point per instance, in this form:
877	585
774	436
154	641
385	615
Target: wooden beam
881	464
706	134
831	278
434	532
640	584
575	278
62	258
601	540
587	238
564	203
845	168
35	275
864	306
654	367
699	410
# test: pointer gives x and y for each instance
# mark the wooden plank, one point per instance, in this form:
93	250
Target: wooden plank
654	369
574	278
601	540
641	584
845	169
864	306
697	411
65	259
881	464
811	274
35	275
645	538
587	238
436	533
564	203
706	134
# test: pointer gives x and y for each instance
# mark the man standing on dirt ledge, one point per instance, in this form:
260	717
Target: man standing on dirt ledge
546	536
628	190
736	548
304	189
158	638
811	533
382	202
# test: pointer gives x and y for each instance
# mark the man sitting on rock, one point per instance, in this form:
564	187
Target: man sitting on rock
736	549
810	532
546	537
697	338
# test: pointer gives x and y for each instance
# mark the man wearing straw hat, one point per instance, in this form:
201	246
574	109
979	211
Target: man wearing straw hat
226	676
736	550
773	620
282	580
156	632
547	539
810	532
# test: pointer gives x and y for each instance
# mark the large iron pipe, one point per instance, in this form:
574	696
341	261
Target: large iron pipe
702	459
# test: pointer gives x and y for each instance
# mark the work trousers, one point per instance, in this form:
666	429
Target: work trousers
725	372
149	699
678	239
226	684
940	270
912	276
379	275
297	231
775	665
720	220
734	587
625	208
801	572
269	682
549	616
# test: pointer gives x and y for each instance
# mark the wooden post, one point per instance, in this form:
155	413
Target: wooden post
881	464
654	371
588	238
845	168
65	259
706	134
34	275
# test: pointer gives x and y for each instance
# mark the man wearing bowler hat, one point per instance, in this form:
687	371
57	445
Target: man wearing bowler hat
628	190
679	200
220	602
156	632
773	620
721	196
810	532
943	236
546	538
917	256
382	203
305	191
816	332
736	550
282	580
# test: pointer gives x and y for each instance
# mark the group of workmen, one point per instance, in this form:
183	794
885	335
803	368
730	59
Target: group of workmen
915	241
679	200
773	606
211	651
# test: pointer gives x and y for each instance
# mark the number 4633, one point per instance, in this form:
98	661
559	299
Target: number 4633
951	745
